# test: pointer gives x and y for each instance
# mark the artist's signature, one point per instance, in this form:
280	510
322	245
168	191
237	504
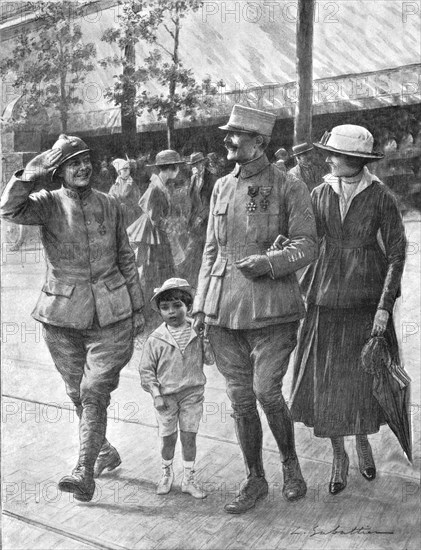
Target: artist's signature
338	530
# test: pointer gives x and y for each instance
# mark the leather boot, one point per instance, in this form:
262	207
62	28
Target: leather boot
340	466
365	458
282	428
255	487
92	428
108	457
80	482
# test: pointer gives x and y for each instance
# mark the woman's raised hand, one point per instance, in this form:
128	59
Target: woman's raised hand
41	165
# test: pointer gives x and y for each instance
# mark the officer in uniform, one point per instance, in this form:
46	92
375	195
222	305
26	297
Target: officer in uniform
91	302
249	298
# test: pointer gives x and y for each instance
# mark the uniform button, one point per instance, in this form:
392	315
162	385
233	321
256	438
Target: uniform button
84	203
94	281
88	223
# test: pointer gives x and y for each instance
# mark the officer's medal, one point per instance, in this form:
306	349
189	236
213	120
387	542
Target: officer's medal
100	221
253	191
265	192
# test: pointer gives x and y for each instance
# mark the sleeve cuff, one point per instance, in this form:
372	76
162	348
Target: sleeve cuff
271	273
18	175
155	391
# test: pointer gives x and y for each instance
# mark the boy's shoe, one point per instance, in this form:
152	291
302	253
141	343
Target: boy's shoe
189	486
165	483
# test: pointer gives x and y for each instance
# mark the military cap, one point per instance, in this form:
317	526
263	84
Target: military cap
250	121
70	147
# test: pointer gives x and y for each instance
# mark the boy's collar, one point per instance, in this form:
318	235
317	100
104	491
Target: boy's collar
162	333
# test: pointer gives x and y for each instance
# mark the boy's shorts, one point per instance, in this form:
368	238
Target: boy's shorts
184	408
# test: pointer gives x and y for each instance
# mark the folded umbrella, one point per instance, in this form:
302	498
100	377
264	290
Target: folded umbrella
391	388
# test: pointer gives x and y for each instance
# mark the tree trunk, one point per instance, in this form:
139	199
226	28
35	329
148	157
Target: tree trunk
128	115
63	105
304	106
170	132
173	81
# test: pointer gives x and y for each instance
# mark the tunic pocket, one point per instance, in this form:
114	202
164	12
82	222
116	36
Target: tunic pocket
56	303
220	221
213	296
58	288
118	295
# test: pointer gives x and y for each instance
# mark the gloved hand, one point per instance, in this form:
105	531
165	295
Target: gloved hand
254	266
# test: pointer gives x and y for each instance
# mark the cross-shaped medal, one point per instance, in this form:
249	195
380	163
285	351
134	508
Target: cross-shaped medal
253	191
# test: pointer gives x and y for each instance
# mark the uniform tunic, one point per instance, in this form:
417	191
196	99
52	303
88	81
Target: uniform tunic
306	173
235	231
254	322
90	264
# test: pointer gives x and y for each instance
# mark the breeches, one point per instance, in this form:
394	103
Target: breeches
254	363
90	360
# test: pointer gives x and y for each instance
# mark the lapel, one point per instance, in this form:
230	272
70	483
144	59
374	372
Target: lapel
334	183
162	333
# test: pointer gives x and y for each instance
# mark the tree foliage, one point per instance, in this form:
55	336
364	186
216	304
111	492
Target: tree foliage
49	61
158	25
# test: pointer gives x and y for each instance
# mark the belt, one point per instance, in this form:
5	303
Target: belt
241	251
345	245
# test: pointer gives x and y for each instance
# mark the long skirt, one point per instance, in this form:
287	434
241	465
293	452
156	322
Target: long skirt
331	392
156	265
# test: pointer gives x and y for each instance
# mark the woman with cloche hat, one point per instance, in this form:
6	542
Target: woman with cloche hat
148	232
351	291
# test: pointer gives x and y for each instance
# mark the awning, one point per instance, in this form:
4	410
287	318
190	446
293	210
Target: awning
366	56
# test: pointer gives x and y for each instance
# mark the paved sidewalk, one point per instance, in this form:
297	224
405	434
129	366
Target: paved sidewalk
126	512
40	441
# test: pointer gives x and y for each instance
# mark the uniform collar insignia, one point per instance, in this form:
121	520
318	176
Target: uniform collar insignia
252	167
77	194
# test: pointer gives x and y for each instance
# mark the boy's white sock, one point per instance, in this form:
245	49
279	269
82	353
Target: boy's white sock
166	463
188	467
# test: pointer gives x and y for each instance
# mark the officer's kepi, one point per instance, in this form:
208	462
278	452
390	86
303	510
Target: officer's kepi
250	121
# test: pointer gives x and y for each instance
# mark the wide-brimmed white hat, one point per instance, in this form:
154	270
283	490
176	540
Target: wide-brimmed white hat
172	284
349	139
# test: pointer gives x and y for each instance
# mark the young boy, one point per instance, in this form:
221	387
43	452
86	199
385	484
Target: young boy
171	370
